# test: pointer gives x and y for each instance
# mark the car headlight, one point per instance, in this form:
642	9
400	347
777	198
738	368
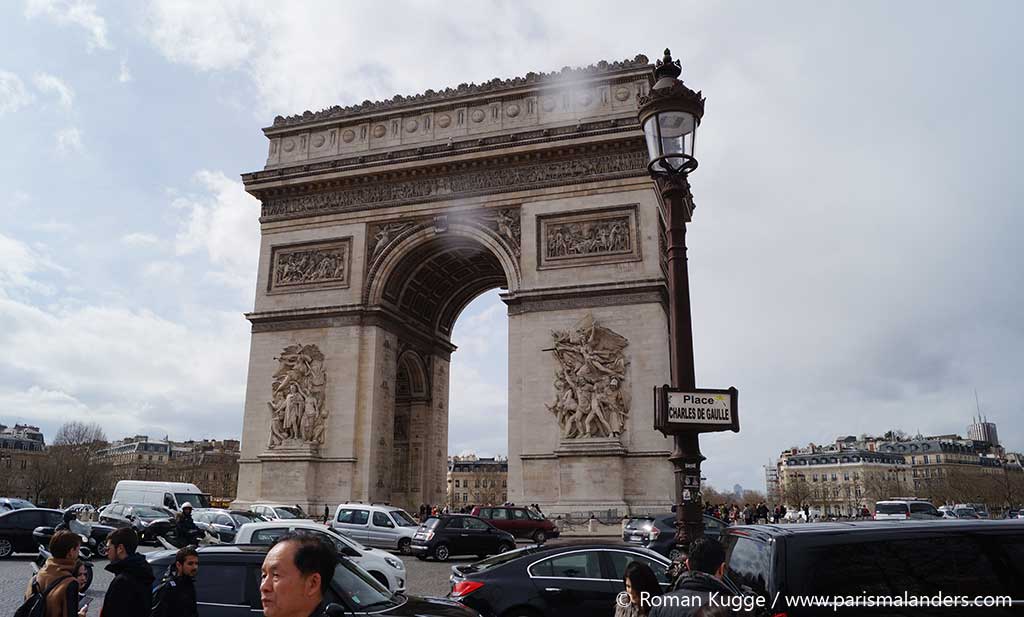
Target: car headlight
394	563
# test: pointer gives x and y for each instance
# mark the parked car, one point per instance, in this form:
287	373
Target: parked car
556	581
95	534
980	508
965	512
13	503
520	522
229	579
903	509
278	512
877	558
442	536
376	525
150	521
16	527
386	568
225	522
170	495
658	532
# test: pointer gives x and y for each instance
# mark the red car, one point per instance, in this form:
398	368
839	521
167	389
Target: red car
520	522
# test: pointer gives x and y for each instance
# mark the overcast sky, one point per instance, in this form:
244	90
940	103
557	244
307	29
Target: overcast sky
855	259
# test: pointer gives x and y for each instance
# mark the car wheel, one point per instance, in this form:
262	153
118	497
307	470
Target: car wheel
101	549
539	536
505	547
6	548
673	554
405	546
380	578
441	552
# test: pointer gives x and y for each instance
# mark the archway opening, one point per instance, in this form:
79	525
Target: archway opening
447	403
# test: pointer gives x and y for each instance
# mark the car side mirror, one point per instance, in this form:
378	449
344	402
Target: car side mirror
348	551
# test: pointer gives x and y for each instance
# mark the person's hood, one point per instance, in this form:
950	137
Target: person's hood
700	581
53	569
135	566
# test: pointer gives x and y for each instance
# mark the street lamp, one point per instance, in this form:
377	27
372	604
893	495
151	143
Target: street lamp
669	116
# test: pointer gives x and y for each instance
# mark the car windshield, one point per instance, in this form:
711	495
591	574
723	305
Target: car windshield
431	523
286	512
535	516
195	499
637	523
402	518
360	590
891	508
498	560
248	517
151	512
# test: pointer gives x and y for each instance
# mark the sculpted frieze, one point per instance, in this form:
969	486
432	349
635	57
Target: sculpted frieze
589	237
591	390
297	405
311	265
536	175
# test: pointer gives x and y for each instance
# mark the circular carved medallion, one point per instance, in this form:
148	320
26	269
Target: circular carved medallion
444	121
477	115
622	93
289	145
348	136
319	141
547	103
411	126
379	130
585	99
512	110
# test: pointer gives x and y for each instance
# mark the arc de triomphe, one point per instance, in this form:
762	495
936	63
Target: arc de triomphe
382	221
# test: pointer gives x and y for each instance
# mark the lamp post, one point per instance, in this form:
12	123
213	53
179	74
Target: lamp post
669	116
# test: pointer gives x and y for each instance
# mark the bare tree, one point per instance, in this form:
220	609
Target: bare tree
42	479
84	478
797	491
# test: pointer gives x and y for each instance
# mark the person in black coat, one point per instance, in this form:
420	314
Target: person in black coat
702	581
130	594
175	596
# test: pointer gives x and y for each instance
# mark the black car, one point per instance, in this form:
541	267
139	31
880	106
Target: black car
225	522
97	544
228	585
879	558
16	527
562	581
149	521
658	532
442	536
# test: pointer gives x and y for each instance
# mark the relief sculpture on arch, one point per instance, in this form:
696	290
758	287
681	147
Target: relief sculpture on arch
298	412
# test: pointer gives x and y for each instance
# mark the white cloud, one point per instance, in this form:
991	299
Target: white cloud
209	36
54	227
139	239
75	12
18	265
223	224
125	75
69	140
51	83
13	94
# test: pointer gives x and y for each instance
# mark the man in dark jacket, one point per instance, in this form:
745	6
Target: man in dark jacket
130	594
700	586
185	528
175	596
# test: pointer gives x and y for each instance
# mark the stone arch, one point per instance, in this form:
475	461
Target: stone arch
433	276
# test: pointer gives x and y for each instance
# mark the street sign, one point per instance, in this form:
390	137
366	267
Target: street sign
702	410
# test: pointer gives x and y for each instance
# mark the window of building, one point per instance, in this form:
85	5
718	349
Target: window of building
833	477
814	478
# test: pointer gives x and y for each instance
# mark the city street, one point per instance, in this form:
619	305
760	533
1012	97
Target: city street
425	578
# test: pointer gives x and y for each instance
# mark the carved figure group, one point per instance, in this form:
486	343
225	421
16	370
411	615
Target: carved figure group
508	227
588	238
589	401
298	267
297	409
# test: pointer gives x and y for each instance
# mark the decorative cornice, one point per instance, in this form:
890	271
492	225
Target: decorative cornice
586	298
462	90
593	162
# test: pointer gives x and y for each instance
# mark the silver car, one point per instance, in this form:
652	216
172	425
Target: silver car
376	525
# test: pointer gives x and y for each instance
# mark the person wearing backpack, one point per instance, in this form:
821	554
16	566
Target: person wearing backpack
175	596
53	591
130	594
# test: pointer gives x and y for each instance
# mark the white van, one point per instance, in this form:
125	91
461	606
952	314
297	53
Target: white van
167	494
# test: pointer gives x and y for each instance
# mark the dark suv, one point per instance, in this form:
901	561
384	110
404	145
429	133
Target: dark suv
228	585
878	559
442	536
658	532
520	522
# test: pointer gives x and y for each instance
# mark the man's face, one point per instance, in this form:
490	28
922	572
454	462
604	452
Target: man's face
190	568
187	512
284	591
116	552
